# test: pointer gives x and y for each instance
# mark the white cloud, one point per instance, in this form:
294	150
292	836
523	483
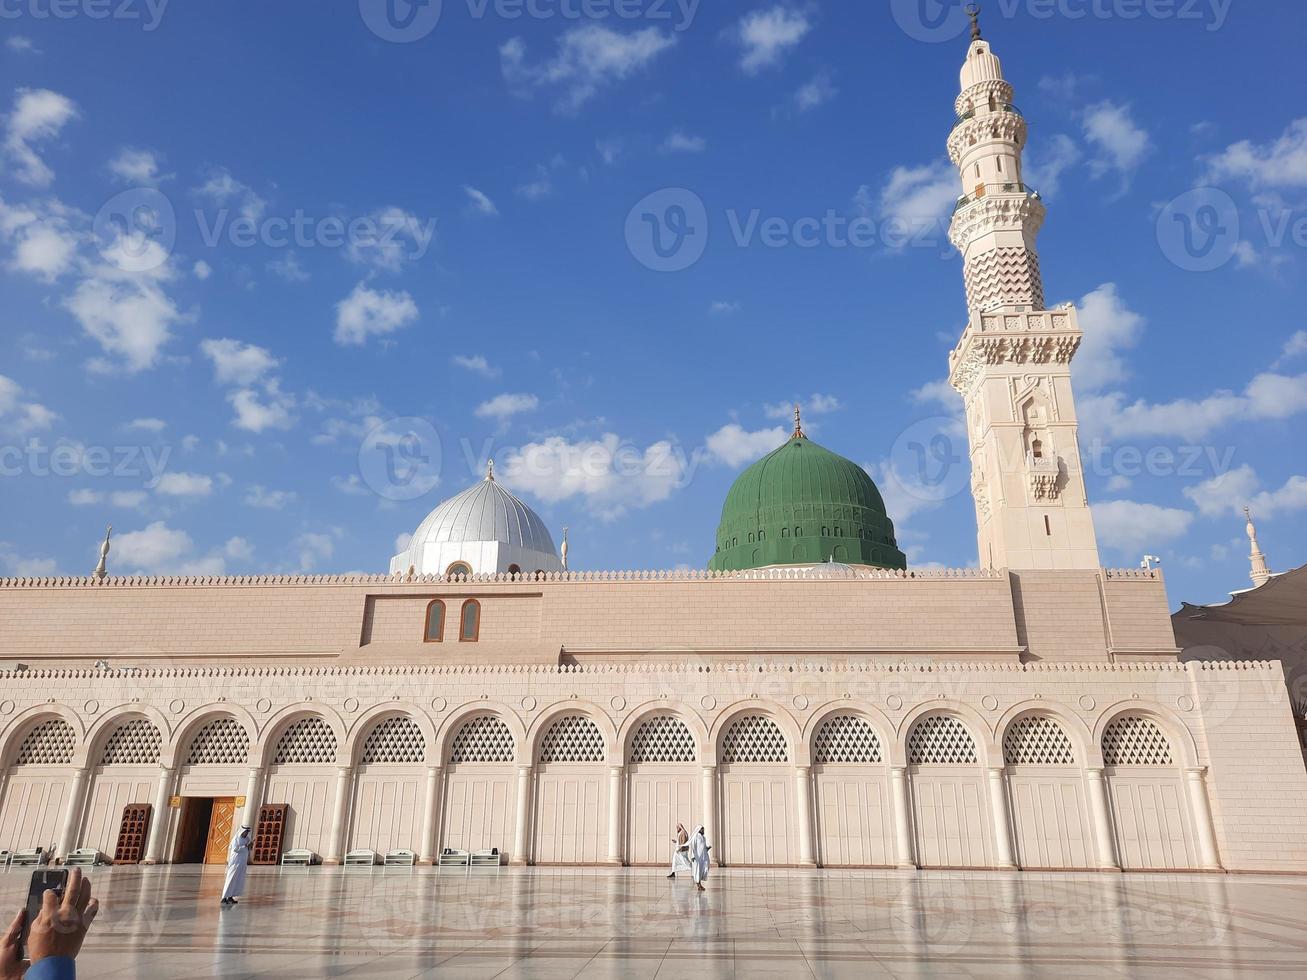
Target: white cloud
1295	346
402	541
258	411
22	45
766	36
680	142
589	57
479	202
477	364
505	406
815	93
609	475
904	496
1129	526
370	312
17	413
313	548
237	363
610	150
161	550
224	190
18	565
939	392
1048	161
1231	492
128	498
202	270
815	404
147	425
265	499
735	445
1121	144
43	238
84	498
915	198
130	317
393	238
723	307
1282	163
136	167
38	116
184	485
288	267
1110	327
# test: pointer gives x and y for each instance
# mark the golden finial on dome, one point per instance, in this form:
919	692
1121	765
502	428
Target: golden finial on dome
798	424
490	470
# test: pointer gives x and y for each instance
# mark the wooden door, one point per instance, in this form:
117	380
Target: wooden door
221	825
133	834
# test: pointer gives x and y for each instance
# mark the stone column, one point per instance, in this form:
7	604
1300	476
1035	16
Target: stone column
73	813
1003	850
431	816
898	783
1200	805
616	804
710	808
160	818
340	815
803	799
1100	814
522	825
253	800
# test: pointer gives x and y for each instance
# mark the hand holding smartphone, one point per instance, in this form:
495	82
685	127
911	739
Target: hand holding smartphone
43	880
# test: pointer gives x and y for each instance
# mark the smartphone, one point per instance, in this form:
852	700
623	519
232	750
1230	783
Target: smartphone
44	880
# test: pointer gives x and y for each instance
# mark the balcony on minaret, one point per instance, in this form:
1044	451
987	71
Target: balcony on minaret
1045	473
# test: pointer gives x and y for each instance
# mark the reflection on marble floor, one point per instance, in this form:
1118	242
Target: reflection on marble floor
547	923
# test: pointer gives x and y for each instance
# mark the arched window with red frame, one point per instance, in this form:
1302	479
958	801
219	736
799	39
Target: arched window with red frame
469	627
435	632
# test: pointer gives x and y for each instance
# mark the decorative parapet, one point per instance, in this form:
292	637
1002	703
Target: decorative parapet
817	573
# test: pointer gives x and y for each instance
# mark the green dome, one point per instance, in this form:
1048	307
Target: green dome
803	504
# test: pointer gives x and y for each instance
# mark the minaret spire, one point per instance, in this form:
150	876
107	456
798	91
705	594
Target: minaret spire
101	567
564	549
798	423
973	11
490	471
1261	572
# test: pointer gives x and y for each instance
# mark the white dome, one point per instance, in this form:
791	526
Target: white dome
484	527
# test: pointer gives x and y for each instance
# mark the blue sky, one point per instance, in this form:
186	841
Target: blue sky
249	253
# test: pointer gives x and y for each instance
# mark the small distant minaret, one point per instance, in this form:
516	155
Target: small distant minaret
563	550
1012	366
1261	574
101	568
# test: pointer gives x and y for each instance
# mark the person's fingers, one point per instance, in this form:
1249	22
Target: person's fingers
49	905
14	931
73	891
92	910
84	895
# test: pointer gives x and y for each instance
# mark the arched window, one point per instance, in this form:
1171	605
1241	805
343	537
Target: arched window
572	738
484	738
435	622
1037	740
798	532
1133	740
134	743
459	568
785	532
469	624
50	743
396	739
846	738
307	741
941	740
662	738
1037	449
222	742
754	738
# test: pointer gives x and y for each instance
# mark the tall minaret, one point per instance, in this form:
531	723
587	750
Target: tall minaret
1261	572
1013	364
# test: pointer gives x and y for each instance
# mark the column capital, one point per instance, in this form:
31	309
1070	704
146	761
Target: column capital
1095	772
1195	772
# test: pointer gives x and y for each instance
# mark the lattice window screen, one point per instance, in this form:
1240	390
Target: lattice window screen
307	741
397	739
663	738
1133	740
1037	740
222	742
754	738
135	743
572	738
50	743
846	738
484	738
941	740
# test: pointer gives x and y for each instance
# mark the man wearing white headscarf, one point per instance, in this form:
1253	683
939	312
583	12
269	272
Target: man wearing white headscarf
238	859
699	860
680	851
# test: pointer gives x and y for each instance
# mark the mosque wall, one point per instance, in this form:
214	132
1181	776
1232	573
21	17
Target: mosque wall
1044	765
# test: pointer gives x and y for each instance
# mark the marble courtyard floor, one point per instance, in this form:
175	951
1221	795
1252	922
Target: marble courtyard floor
554	923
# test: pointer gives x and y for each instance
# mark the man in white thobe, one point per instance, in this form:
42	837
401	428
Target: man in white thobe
680	851
238	860
699	860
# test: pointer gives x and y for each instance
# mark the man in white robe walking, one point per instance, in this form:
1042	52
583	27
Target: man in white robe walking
238	860
699	860
680	851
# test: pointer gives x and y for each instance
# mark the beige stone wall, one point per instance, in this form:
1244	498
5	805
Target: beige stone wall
1077	616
